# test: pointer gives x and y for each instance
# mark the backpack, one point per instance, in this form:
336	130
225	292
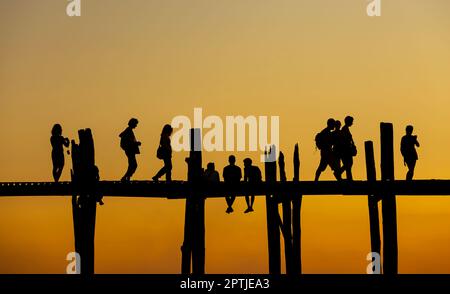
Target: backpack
320	140
123	141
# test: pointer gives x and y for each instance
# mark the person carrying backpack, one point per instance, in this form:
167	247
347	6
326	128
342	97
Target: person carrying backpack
324	142
130	145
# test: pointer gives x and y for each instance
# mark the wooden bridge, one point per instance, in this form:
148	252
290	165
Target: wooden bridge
180	189
85	187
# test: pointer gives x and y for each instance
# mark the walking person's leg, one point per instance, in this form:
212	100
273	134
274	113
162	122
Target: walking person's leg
335	165
132	165
322	165
160	173
348	168
347	162
411	166
168	168
165	170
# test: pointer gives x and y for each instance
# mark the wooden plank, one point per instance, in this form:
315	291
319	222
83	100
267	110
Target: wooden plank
179	189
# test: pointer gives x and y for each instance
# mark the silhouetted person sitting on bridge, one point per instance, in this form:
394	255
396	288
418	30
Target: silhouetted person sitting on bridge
252	174
164	153
347	148
58	142
408	150
130	145
211	175
324	142
232	174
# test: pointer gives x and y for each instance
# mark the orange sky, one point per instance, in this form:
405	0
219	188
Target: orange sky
304	60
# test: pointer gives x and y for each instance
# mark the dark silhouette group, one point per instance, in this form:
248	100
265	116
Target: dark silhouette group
232	174
130	145
336	146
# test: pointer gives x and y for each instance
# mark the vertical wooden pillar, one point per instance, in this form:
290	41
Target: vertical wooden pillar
286	227
372	200
193	247
84	200
273	230
296	224
389	209
186	248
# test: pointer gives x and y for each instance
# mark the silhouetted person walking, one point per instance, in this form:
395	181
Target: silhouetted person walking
232	174
408	150
130	145
348	148
324	142
211	175
337	149
164	153
252	174
58	142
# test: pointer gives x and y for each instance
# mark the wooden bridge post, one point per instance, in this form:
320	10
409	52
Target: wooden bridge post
389	208
296	222
186	248
85	177
372	201
193	247
273	217
286	227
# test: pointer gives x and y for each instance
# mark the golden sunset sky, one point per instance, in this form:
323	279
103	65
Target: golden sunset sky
301	60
